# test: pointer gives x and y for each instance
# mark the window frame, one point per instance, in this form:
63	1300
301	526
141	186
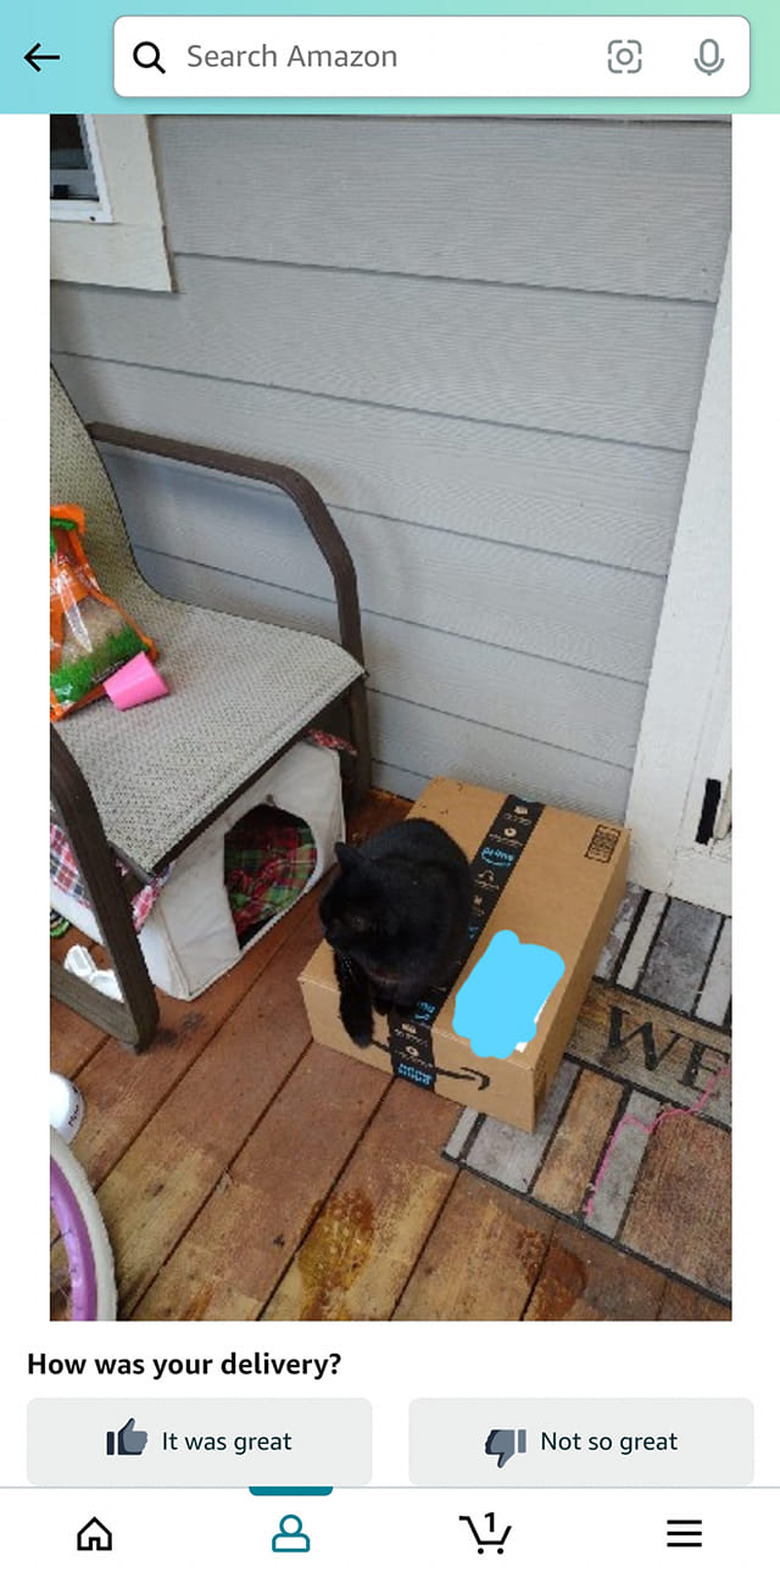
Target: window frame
96	211
123	247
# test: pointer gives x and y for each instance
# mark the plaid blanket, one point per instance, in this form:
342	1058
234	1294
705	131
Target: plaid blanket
330	742
66	876
269	857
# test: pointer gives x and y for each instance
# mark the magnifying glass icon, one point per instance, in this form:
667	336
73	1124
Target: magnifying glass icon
147	62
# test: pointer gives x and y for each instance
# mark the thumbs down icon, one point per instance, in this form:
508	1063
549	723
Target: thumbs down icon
501	1444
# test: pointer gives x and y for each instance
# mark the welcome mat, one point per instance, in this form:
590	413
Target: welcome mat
634	1144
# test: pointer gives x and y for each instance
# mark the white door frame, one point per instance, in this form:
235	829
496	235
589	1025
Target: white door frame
685	733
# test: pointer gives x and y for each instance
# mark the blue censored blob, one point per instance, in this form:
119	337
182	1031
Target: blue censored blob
498	1003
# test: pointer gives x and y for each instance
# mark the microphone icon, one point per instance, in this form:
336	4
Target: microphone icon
709	58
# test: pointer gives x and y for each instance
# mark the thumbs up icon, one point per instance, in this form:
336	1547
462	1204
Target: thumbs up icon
131	1441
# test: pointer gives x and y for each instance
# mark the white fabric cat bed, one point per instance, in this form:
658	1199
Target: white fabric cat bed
189	939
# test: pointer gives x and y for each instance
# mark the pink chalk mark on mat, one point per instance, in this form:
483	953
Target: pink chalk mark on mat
650	1128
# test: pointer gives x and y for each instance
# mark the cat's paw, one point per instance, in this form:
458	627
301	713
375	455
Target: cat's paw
362	1037
359	1026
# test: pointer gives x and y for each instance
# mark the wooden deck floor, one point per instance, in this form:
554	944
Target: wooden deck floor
247	1173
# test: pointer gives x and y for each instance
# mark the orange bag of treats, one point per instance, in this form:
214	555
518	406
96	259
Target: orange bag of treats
90	635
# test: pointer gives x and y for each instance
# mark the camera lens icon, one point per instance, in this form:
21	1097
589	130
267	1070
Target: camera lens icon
624	55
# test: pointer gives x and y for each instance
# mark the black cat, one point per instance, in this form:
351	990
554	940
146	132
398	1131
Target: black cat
396	917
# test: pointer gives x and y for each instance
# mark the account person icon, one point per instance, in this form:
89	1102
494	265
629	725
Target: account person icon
291	1536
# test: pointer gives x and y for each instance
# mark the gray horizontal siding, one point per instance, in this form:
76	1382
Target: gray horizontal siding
585	205
603	366
484	341
605	618
466	720
609	503
398	780
438	742
473	683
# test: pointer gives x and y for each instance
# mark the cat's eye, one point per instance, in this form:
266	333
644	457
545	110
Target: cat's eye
358	923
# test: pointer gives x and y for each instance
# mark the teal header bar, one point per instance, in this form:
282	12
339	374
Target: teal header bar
79	79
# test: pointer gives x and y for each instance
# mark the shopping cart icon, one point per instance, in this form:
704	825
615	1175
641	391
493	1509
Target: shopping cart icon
483	1540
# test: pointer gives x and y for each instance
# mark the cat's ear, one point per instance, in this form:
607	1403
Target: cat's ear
348	856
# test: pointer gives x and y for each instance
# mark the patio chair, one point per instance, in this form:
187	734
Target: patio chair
139	786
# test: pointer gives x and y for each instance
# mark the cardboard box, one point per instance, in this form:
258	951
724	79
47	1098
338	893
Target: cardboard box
552	877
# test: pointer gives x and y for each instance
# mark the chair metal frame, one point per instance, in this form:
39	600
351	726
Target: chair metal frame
134	1020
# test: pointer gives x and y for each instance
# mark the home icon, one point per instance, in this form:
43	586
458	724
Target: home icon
94	1537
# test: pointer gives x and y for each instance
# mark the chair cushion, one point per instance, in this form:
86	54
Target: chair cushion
240	691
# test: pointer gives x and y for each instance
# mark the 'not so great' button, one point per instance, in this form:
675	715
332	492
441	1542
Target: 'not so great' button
582	1441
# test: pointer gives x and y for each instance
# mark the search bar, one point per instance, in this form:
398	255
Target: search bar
431	57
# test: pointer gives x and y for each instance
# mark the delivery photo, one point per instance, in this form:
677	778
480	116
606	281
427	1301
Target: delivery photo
390	618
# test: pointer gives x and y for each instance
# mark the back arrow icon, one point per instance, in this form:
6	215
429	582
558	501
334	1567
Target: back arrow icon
32	57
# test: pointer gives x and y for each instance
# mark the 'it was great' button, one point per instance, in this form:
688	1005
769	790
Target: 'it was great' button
199	1441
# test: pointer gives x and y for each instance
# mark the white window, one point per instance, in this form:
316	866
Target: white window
77	185
106	222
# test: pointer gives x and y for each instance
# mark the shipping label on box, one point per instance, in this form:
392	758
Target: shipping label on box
551	878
